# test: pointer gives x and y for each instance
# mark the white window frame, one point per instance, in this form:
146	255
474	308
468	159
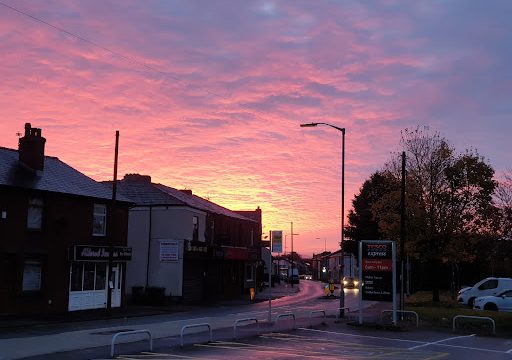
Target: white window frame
195	227
35	214
97	214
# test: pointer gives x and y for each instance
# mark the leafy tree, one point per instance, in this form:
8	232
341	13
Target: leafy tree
362	222
504	205
449	201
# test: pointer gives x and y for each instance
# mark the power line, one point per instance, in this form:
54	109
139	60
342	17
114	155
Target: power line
113	52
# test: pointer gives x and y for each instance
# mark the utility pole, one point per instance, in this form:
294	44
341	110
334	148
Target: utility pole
110	235
291	234
402	235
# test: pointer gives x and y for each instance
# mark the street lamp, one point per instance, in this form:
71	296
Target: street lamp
342	293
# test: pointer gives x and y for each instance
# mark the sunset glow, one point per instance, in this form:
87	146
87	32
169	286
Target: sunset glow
209	95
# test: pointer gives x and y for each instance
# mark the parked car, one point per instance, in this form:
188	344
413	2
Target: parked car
502	302
485	287
350	282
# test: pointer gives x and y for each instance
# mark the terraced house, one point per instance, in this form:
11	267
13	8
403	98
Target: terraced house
62	238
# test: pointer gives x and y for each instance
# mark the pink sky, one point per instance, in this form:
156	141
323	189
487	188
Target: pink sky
209	95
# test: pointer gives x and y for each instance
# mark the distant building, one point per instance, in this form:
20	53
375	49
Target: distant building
57	230
326	266
192	248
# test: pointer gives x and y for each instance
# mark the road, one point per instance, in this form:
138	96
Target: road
52	338
275	340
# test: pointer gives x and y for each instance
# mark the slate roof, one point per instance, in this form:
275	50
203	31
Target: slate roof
148	193
57	177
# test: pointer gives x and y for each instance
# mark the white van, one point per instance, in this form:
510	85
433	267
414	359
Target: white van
488	286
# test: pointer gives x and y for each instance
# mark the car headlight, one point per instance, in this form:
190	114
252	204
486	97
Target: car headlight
345	282
356	282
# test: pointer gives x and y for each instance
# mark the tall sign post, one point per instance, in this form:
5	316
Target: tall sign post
377	272
276	245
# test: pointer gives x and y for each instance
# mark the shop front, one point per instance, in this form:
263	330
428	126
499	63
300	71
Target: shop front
93	272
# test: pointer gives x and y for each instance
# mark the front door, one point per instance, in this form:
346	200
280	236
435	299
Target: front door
116	276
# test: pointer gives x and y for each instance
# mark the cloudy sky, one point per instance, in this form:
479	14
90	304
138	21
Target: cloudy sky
209	95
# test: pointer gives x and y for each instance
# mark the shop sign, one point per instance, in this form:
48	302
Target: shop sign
100	253
377	270
195	248
234	253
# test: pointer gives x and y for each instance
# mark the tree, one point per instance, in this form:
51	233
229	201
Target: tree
449	201
504	204
362	222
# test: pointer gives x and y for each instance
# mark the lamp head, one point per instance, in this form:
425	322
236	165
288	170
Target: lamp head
309	125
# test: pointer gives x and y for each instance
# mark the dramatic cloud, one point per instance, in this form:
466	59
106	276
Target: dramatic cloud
209	95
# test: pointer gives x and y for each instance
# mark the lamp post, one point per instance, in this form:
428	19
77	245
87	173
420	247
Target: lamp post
291	279
342	293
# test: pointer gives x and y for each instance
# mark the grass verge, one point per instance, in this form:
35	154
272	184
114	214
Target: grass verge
441	314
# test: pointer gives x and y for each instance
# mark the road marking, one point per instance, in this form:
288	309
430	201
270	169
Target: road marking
440	341
509	351
168	355
266	349
334	350
473	348
362	336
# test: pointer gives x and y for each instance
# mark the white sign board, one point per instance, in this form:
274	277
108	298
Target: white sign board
277	241
169	250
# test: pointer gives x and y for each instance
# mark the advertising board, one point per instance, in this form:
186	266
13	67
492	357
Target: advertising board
377	270
277	241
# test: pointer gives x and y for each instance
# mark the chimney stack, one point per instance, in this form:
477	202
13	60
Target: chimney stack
31	148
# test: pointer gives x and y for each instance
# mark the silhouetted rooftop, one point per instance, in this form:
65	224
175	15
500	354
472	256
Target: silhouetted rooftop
143	192
56	177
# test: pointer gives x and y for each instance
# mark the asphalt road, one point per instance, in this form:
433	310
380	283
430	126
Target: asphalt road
331	341
276	340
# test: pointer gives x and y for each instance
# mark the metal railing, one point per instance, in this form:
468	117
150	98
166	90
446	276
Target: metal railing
131	332
280	316
338	312
402	312
193	326
244	320
484	318
316	312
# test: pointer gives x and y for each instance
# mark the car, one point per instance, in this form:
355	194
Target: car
485	287
308	277
350	282
501	302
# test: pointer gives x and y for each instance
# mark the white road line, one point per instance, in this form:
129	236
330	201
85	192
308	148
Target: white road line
440	341
362	336
472	348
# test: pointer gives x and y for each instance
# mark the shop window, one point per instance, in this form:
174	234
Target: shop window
195	228
32	276
101	276
99	226
35	214
89	276
76	276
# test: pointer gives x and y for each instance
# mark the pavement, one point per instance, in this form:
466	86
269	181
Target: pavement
131	311
26	337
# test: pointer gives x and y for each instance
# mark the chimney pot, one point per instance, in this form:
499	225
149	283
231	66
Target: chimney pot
31	148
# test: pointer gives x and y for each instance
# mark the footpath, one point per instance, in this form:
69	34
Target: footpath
32	337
